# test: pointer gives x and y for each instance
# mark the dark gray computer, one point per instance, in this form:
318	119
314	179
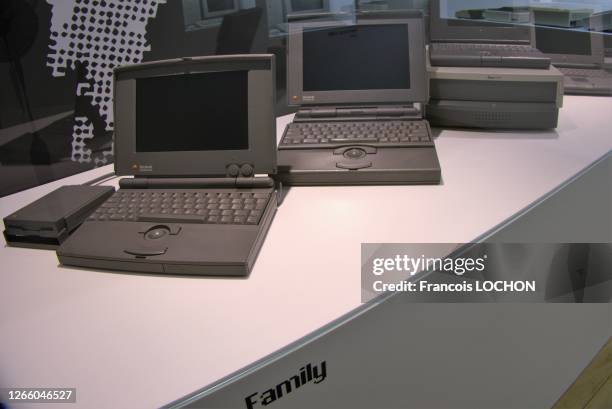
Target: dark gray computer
579	55
360	119
196	134
457	42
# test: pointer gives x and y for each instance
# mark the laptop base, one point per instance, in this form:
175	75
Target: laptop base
188	249
492	115
494	98
585	85
486	55
376	166
573	89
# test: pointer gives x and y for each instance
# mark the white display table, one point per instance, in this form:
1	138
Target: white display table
135	340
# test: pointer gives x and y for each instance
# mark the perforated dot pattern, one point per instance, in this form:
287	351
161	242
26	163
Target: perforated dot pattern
99	34
82	130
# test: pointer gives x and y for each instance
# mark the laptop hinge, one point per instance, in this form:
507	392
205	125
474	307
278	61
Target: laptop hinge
480	41
339	113
575	65
196	183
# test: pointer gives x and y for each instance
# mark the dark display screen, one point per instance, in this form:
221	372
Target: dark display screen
560	41
219	5
192	112
367	57
306	5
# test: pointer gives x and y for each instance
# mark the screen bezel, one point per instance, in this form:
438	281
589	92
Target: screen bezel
441	31
416	45
595	58
211	14
289	8
261	152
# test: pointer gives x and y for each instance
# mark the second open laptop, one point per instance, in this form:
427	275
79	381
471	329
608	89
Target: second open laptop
579	55
199	137
359	82
461	42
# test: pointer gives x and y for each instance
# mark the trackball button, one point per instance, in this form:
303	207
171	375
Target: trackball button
354	153
157	232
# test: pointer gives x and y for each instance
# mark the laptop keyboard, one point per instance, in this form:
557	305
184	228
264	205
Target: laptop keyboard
585	72
183	206
303	135
487	49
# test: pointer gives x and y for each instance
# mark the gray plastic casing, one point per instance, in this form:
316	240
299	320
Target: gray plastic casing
595	59
441	31
261	152
494	98
295	68
47	222
492	115
496	84
196	249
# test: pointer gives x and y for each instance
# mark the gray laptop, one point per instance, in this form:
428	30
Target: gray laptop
459	42
196	134
579	55
360	83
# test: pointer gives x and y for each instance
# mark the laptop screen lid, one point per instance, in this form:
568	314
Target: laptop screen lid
444	26
377	58
195	116
570	47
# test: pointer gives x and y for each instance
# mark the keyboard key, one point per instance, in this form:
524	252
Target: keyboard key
169	218
376	133
229	207
353	139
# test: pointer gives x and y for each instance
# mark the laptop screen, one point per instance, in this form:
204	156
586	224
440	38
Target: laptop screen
559	41
358	57
371	58
491	21
192	112
298	6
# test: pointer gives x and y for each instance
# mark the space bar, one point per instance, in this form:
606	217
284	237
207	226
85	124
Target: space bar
353	140
169	218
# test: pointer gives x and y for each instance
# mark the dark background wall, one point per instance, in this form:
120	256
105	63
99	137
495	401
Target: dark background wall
55	60
57	56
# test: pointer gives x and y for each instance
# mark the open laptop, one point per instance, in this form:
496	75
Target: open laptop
360	84
579	55
456	42
196	134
